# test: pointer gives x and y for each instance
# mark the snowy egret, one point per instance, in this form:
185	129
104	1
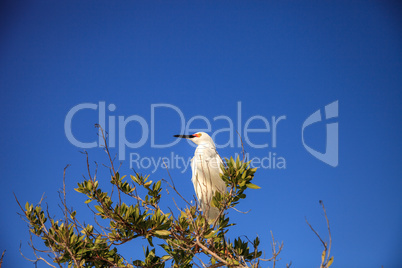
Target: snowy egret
206	167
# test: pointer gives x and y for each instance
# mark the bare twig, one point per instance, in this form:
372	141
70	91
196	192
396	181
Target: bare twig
275	251
64	196
243	152
106	148
243	212
329	230
213	254
173	185
2	256
326	259
319	237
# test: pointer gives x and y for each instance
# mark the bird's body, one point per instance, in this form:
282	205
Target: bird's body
206	169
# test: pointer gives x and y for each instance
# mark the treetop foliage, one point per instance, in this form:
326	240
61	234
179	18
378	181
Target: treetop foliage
186	236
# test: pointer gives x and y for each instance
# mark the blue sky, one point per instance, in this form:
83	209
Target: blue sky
204	58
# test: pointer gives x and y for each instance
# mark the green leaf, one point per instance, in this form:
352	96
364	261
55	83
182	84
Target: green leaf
331	260
150	242
134	178
73	214
211	234
166	257
162	232
89	186
99	208
252	186
256	242
87	201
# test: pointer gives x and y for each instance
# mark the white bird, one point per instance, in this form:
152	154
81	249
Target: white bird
206	167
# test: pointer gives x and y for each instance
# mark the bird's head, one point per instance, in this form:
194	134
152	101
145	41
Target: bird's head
198	138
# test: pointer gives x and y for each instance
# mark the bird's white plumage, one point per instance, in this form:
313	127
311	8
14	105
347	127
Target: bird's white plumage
206	169
206	179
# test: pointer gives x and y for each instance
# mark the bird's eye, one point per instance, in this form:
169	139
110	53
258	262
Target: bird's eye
198	135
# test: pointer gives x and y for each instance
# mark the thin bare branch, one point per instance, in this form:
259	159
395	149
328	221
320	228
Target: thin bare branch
213	254
173	185
319	237
1	259
243	152
329	231
64	195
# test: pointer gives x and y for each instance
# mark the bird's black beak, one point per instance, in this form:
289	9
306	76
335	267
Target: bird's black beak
184	136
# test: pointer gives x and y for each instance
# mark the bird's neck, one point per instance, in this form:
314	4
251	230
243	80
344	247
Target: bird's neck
206	144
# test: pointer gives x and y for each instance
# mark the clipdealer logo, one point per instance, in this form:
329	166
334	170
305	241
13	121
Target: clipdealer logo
116	129
330	156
